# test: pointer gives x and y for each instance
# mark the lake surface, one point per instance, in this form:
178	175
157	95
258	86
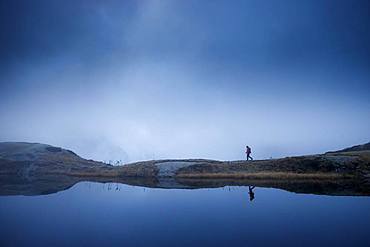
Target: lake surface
97	214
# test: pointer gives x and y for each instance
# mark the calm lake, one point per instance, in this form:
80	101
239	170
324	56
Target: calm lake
97	214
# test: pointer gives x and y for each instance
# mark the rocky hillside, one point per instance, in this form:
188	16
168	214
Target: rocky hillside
363	147
33	168
22	151
34	159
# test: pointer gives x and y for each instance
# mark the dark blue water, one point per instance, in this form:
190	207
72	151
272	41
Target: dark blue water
93	214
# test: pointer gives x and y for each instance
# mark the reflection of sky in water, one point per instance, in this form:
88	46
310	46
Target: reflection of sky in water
96	214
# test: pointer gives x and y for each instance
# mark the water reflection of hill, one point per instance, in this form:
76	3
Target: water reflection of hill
13	185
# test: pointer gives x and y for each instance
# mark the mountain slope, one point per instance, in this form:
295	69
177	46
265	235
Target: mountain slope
34	159
363	147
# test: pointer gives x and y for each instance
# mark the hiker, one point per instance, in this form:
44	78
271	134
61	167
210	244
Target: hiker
251	193
248	151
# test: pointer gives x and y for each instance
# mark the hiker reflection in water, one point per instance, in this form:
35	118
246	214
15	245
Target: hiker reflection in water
251	193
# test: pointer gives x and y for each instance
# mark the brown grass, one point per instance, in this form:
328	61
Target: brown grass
266	175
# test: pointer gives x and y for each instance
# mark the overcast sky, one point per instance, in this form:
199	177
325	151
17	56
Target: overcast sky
138	80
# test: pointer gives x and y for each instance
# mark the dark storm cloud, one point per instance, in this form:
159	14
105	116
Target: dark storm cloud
40	29
238	32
